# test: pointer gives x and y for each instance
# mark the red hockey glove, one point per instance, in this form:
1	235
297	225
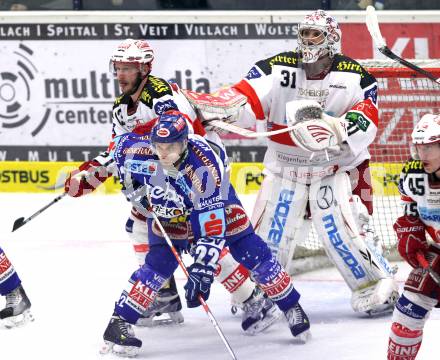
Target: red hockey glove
410	231
85	179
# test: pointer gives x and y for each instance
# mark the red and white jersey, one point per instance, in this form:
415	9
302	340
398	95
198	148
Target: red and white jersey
157	97
421	196
347	91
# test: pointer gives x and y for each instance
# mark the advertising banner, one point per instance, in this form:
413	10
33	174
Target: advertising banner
56	91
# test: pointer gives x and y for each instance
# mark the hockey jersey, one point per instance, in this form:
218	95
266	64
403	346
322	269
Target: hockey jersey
198	188
420	194
347	90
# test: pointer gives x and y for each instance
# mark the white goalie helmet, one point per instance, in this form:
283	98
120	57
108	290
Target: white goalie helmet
427	131
329	32
132	51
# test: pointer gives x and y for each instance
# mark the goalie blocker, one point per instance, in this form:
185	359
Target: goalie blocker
280	217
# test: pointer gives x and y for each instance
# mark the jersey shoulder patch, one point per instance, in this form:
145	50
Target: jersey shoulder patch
154	88
288	58
344	63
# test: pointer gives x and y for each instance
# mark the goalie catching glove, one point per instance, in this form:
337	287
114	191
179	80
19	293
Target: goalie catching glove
410	231
85	179
313	129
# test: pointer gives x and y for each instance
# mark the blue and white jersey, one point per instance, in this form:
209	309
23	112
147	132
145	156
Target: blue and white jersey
198	189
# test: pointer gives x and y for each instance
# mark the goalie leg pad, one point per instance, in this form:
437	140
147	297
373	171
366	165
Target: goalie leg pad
279	213
361	267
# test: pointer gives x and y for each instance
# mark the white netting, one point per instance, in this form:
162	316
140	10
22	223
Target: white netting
404	96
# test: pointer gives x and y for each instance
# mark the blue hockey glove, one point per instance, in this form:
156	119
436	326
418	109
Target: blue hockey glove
199	283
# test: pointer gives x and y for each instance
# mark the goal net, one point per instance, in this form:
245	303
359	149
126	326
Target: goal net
404	96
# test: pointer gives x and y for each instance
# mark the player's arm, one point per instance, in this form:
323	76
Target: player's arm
410	229
257	87
362	118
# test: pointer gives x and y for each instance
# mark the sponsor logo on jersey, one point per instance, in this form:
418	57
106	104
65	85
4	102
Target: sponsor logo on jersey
428	214
280	216
253	74
362	122
236	220
158	85
349	66
283	59
205	203
141	167
416	165
164	106
341	248
337	86
212	223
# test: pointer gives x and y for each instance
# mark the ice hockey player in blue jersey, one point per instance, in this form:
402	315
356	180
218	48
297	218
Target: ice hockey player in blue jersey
16	311
185	182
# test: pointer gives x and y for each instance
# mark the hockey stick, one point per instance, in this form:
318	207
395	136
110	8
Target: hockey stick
425	265
18	223
132	196
373	28
245	132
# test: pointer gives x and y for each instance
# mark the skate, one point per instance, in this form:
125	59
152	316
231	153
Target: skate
259	312
165	310
298	323
16	312
119	339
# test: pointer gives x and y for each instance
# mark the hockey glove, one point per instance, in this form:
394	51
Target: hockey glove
410	231
85	179
199	283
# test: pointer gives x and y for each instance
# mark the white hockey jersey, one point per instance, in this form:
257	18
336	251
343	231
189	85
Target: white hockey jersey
157	97
347	91
421	196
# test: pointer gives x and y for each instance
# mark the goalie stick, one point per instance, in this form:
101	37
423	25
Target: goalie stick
374	30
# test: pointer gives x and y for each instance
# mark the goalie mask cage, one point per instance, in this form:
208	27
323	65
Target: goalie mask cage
404	96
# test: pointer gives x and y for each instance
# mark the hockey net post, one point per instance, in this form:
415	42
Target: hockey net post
404	96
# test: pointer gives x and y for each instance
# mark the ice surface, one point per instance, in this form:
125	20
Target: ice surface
75	258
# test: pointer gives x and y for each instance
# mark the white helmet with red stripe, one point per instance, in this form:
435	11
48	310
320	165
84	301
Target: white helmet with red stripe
132	51
427	130
327	42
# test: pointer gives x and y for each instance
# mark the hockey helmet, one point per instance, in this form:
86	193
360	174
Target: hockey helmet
132	51
327	42
427	130
170	127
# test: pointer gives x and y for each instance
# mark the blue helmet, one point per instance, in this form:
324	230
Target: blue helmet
170	127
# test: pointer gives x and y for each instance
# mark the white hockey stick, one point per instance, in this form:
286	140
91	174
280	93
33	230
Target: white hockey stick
373	28
246	132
